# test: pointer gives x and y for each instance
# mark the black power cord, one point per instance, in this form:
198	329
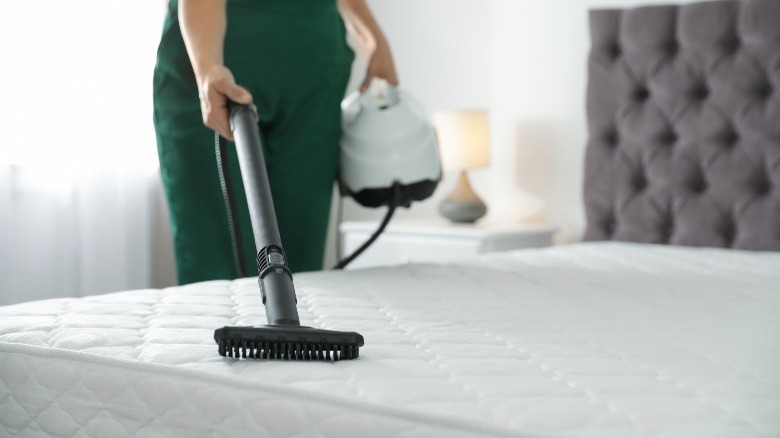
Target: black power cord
220	144
394	203
339	217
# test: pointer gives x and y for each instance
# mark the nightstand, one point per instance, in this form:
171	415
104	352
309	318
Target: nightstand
433	240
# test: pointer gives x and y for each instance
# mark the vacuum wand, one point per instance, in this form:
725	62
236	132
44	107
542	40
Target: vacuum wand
255	176
275	279
283	337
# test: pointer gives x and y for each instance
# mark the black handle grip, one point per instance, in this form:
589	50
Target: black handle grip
253	172
276	283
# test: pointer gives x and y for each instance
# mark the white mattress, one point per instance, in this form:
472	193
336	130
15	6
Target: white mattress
597	340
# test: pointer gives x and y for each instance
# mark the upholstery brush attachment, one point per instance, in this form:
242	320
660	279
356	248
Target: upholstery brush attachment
284	337
287	342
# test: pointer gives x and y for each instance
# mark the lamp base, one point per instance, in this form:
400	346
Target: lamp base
463	205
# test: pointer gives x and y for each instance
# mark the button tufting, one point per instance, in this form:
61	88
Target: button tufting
686	98
698	185
640	183
668	138
615	50
609	226
764	91
701	92
641	93
762	186
668	231
729	232
611	138
732	45
730	138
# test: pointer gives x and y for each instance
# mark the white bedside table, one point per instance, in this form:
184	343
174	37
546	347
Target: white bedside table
437	240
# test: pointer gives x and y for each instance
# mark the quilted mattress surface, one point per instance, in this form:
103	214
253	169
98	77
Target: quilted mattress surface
596	340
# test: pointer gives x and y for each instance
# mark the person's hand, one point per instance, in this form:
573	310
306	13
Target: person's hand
380	65
217	86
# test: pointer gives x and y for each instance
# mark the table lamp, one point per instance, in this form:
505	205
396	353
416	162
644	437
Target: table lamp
463	144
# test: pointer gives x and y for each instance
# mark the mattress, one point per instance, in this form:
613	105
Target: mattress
591	340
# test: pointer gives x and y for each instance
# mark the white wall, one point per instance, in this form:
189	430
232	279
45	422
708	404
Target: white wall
526	62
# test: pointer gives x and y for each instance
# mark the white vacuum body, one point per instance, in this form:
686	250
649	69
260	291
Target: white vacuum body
387	141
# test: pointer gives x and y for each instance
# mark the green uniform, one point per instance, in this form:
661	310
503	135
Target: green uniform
293	57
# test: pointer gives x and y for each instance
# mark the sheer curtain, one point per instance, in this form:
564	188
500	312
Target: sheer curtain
78	168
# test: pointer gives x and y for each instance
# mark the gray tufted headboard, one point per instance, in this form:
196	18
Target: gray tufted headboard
683	111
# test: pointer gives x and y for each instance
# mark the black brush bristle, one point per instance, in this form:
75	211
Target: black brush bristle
287	343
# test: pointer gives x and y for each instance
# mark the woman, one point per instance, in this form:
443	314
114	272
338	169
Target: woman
292	60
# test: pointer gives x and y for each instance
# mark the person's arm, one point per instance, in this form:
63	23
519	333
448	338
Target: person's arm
203	25
370	36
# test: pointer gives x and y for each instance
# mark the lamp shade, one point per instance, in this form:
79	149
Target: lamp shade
463	139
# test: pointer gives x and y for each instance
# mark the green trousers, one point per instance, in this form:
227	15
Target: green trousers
293	57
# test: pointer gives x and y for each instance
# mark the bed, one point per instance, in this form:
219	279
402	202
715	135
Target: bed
665	322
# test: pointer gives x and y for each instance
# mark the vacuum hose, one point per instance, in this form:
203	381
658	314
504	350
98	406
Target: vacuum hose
226	181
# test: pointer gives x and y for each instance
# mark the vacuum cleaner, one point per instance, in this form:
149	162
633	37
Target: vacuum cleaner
389	154
389	157
283	337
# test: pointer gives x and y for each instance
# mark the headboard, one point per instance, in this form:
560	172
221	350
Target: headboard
683	107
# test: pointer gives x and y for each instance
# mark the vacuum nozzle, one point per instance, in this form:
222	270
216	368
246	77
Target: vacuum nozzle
287	343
